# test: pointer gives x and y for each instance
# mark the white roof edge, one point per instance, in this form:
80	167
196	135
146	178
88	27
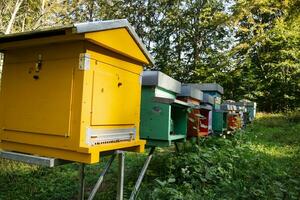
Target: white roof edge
113	24
91	27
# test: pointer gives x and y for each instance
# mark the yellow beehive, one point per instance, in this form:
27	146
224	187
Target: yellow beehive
72	92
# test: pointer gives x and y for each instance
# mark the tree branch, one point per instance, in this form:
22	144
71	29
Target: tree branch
13	16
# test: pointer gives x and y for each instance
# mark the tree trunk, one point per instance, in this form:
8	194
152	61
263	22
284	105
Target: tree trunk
91	11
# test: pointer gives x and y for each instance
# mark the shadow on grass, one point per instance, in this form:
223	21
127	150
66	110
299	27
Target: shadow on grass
224	169
22	181
261	162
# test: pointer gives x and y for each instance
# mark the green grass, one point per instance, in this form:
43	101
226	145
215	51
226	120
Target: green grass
261	162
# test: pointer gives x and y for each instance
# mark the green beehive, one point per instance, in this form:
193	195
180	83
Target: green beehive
219	117
215	90
163	117
219	124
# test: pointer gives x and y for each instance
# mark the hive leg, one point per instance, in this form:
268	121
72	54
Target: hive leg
81	181
121	157
100	180
142	174
176	147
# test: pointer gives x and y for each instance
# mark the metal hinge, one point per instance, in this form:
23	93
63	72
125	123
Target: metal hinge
84	61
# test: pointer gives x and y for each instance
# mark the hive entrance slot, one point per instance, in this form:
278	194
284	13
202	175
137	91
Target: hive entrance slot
178	121
105	136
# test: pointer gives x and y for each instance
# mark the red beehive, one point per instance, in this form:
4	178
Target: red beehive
232	121
193	96
233	117
206	107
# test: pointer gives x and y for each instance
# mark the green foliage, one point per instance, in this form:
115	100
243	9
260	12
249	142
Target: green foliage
250	47
261	162
266	57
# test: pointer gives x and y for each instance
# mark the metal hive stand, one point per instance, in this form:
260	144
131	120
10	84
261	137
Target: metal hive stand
121	159
142	174
53	162
32	159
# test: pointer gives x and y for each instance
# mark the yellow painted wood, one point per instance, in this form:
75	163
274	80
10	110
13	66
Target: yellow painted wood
84	155
50	152
25	97
65	51
120	41
115	88
49	116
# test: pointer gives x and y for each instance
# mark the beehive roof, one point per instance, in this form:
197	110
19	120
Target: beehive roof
208	99
228	107
157	78
189	90
78	28
246	102
211	87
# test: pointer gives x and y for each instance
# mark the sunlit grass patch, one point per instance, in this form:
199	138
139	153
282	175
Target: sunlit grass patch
279	152
261	162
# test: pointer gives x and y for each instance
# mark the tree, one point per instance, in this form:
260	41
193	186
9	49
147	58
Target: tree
267	52
250	47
